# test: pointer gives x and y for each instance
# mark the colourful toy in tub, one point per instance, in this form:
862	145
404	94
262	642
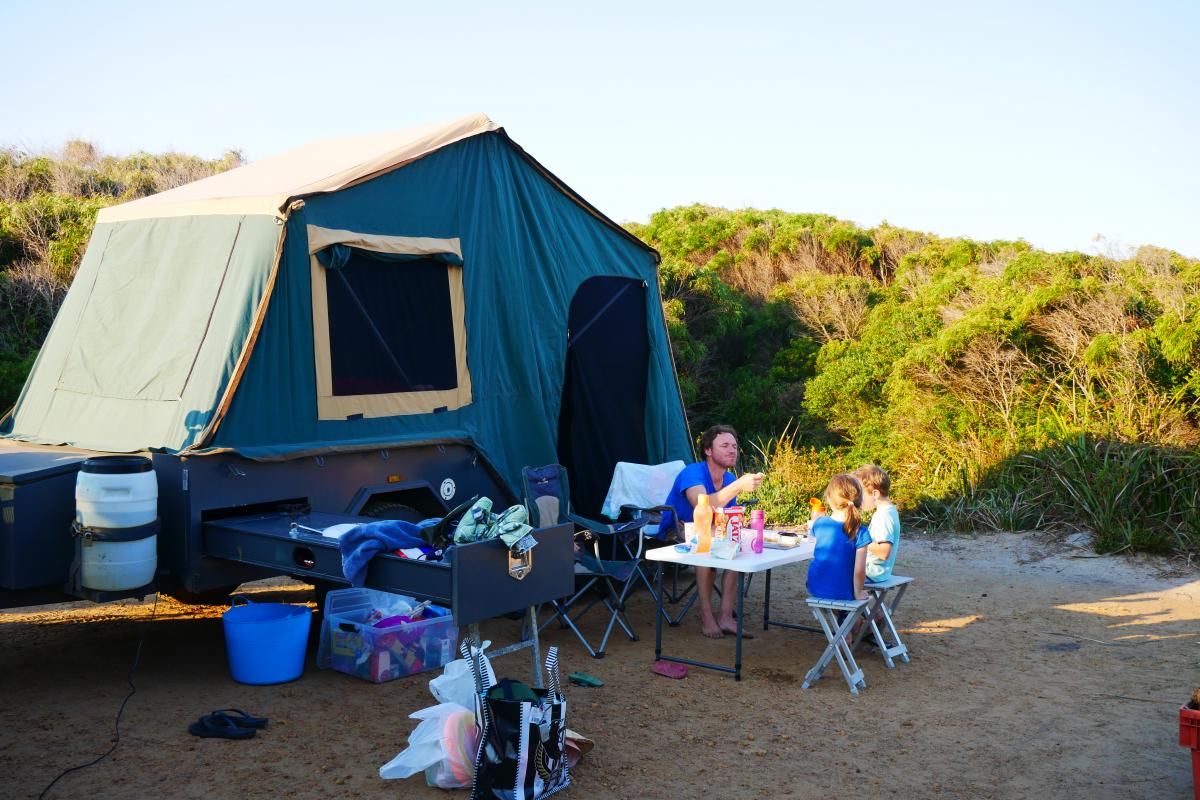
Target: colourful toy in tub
385	647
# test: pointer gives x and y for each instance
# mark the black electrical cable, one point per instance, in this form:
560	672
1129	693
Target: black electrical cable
137	657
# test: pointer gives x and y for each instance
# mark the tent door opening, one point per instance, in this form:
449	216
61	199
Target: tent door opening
604	389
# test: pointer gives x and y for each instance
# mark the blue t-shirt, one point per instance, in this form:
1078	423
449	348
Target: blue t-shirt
696	474
831	573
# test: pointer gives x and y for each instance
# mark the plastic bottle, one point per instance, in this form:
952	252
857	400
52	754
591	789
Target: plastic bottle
702	524
758	523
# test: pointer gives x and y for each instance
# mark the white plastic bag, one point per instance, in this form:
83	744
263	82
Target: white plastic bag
445	741
456	684
443	745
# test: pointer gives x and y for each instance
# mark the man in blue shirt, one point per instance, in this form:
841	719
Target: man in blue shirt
712	477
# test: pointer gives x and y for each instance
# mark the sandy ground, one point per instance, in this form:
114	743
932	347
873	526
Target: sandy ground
1036	672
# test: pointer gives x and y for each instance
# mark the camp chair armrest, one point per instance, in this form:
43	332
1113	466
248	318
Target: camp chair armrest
632	525
604	528
647	510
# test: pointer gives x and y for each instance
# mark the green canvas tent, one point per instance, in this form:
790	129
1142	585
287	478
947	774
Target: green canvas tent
429	284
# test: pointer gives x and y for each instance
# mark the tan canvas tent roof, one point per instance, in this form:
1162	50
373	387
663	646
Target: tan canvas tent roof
264	187
200	319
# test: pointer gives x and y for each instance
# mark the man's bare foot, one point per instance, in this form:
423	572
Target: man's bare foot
711	630
731	627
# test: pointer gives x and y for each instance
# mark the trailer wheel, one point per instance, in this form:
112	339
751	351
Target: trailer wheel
390	509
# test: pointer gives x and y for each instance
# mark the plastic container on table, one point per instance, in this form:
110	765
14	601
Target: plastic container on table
757	523
702	517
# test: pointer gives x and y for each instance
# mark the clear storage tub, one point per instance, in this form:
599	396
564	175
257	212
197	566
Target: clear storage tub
352	644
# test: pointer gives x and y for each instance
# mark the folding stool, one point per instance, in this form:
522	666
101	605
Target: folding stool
890	646
835	634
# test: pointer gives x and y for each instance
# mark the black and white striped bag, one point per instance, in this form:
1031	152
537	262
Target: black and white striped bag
522	741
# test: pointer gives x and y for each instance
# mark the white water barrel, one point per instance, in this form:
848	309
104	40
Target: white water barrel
116	514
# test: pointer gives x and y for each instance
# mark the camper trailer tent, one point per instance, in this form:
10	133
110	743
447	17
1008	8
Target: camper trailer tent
430	285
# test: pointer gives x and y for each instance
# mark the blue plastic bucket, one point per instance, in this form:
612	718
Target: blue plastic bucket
266	642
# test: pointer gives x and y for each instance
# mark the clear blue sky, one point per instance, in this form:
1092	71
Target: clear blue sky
1053	122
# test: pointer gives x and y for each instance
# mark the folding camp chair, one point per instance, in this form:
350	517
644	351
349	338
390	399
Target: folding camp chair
638	490
548	501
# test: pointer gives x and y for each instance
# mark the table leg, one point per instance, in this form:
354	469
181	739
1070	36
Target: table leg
659	614
737	659
767	602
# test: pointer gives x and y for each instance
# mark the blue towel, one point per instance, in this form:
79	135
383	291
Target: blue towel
360	544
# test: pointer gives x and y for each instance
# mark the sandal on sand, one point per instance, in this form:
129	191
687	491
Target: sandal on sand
670	669
242	718
583	679
219	726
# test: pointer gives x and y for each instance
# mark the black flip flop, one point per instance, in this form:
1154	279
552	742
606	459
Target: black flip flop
242	718
219	726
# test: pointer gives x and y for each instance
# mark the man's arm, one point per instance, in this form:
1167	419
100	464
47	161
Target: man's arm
718	499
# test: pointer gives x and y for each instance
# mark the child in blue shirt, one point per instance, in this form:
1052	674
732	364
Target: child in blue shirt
838	568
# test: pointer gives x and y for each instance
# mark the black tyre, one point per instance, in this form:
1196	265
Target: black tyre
390	509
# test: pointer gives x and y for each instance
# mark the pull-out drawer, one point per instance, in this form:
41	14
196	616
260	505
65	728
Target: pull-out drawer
474	581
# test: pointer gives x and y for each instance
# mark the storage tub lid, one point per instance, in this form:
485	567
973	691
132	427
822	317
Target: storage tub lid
29	467
116	465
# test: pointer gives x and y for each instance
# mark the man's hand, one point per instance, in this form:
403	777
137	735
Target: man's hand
750	481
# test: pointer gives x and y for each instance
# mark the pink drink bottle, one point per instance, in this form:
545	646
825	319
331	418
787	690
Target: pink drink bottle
757	522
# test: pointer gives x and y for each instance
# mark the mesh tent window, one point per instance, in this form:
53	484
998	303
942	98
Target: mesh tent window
388	324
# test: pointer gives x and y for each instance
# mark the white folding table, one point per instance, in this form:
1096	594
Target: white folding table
744	564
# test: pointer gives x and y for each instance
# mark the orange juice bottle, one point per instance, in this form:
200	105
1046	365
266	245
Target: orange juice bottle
702	518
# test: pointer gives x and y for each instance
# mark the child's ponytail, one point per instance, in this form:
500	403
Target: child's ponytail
853	521
845	493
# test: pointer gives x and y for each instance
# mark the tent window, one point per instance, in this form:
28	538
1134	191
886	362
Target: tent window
390	325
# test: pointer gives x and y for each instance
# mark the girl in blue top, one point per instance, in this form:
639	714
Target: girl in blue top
839	566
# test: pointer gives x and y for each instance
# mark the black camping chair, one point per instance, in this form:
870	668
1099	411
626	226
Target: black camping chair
548	501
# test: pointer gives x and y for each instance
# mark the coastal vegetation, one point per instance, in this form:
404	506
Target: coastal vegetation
1003	387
